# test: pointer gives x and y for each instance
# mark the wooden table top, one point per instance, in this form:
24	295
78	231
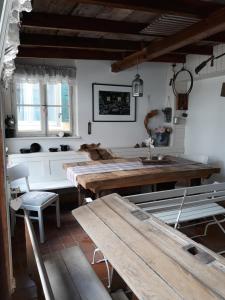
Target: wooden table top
184	169
150	256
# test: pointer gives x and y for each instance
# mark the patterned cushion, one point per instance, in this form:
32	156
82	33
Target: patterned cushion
36	198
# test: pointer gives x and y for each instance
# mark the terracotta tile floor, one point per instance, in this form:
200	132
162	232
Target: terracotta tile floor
71	234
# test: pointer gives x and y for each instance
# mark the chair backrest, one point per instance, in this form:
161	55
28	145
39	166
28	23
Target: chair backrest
201	158
18	172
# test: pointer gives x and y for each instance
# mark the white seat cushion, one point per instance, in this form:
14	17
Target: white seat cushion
36	198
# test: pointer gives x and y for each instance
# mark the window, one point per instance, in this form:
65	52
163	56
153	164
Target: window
43	109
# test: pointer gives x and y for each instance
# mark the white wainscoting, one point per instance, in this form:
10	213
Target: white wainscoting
46	168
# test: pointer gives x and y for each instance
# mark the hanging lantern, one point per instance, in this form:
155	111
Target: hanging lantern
137	86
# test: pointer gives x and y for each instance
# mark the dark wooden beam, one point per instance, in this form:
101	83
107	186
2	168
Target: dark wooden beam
67	53
63	22
101	44
175	7
217	38
194	49
213	24
78	42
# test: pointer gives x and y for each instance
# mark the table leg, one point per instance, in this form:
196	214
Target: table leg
195	181
165	186
81	195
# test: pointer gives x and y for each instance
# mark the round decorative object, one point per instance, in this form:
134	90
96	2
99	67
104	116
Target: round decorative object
187	76
35	147
150	115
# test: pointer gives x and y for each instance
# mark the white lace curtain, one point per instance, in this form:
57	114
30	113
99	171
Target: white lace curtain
33	73
12	39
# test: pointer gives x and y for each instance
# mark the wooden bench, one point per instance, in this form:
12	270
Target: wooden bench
64	275
186	204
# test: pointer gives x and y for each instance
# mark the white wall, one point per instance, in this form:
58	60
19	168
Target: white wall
205	127
109	134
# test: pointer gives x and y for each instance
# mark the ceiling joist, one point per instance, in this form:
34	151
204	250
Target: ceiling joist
77	23
68	53
99	44
203	29
175	7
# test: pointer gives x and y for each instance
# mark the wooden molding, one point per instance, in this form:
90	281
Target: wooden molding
68	53
213	24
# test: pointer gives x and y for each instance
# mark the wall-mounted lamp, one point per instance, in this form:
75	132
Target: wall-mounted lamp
137	85
223	90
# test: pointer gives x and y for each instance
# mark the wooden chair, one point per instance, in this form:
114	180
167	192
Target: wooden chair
31	200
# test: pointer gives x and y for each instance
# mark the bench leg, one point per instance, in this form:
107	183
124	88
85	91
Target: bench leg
57	207
106	264
215	222
117	282
219	223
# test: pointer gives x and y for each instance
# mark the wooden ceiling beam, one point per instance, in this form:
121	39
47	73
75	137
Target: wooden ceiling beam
203	29
68	53
194	49
217	38
175	7
78	42
101	44
77	23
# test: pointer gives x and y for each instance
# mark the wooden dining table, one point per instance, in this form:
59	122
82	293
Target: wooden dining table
172	171
154	260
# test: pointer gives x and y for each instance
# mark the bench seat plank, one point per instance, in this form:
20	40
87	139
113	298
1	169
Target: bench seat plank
72	277
191	213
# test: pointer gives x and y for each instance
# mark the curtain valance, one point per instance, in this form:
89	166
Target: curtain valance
31	73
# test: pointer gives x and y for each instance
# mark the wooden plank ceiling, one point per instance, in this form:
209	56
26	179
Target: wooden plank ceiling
124	30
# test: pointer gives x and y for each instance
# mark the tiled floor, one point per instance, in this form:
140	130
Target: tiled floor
71	234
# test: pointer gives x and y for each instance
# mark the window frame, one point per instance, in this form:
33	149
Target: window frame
44	115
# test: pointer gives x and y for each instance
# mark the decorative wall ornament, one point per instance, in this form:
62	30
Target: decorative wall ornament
186	76
34	73
12	39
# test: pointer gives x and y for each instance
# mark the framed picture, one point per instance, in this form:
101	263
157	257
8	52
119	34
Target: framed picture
113	103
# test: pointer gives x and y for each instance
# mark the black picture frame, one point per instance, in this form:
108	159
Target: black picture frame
126	114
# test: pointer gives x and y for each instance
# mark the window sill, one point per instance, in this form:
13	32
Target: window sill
43	138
